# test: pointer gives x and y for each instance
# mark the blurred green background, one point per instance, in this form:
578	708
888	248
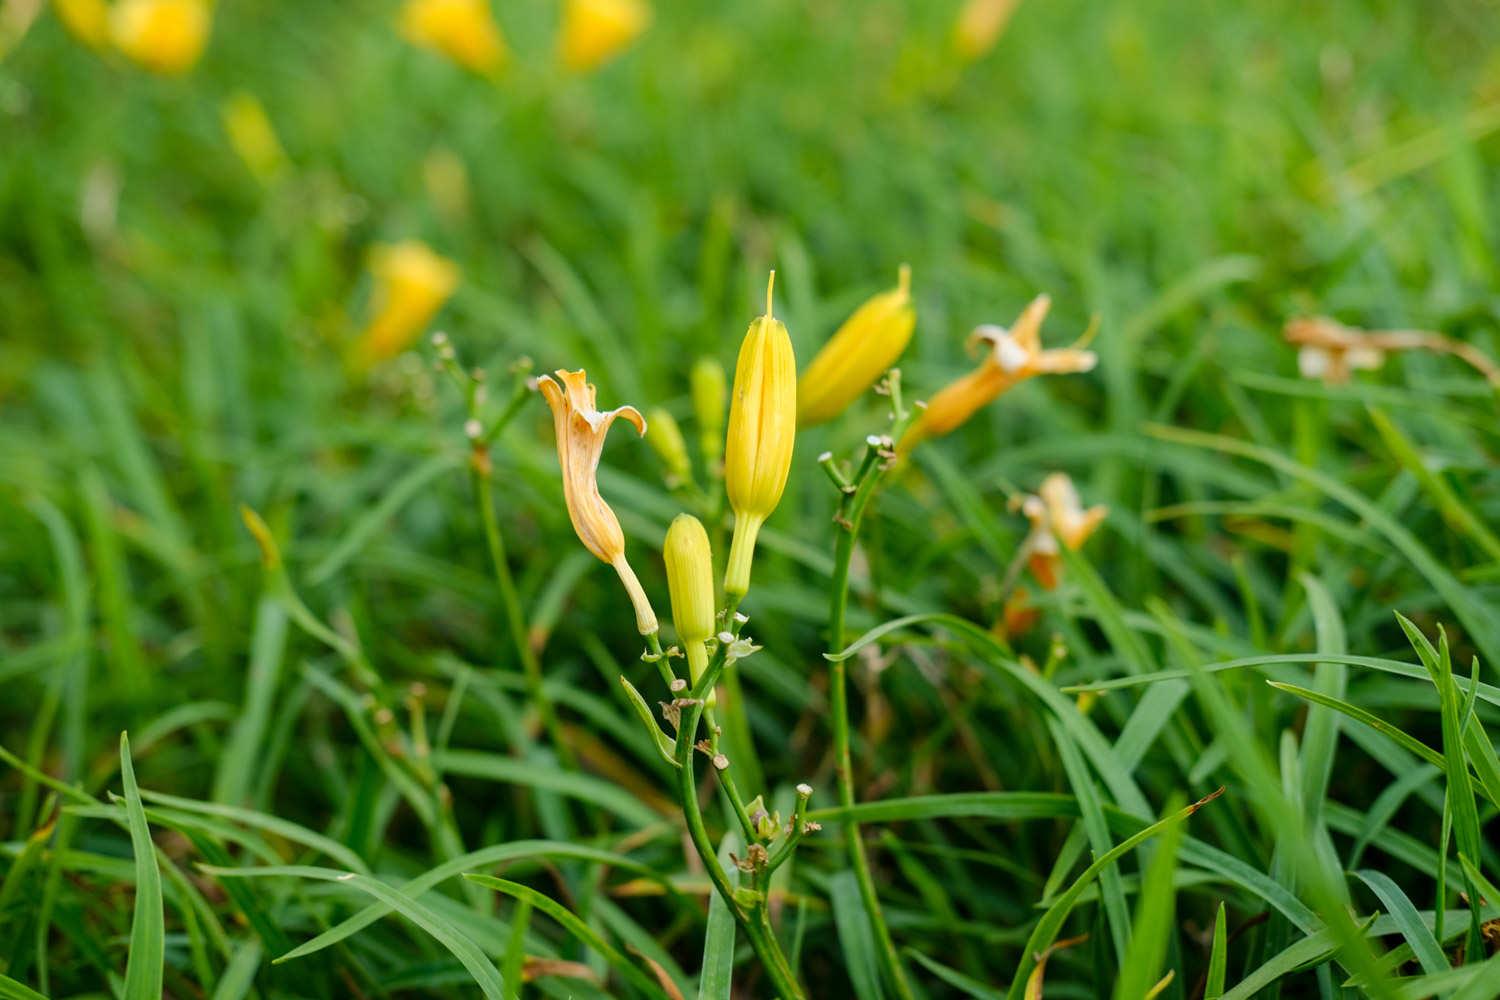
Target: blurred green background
174	336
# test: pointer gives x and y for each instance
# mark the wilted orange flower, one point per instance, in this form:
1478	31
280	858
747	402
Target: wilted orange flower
164	36
463	30
1057	518
580	429
1330	351
595	31
411	285
1012	356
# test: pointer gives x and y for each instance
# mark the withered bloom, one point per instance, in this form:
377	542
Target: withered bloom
1057	518
580	428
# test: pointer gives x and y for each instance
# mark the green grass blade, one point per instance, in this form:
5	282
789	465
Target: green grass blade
239	975
143	970
1154	921
444	931
716	980
1218	958
1111	888
576	927
856	939
1423	945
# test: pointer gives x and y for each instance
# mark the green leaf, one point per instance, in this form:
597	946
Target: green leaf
12	990
143	970
1154	921
856	938
1218	958
643	712
716	980
443	930
580	930
1417	934
239	975
1090	808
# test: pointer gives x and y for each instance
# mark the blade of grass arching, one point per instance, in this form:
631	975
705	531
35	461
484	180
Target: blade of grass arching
1476	618
1467	982
1119	782
1366	718
716	980
856	939
1483	692
239	975
241	757
645	943
1458	516
275	825
966	985
1466	828
143	969
1154	921
12	990
1423	945
515	949
441	929
1111	888
374	520
585	788
1218	958
1320	733
517	851
576	927
1051	922
70	683
1310	950
986	805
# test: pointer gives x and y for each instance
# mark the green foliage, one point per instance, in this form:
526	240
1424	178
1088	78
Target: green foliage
386	730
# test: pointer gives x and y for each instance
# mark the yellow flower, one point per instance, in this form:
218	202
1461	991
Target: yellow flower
581	428
463	30
86	20
979	26
252	135
690	580
665	438
1012	356
866	345
411	285
707	380
164	36
595	31
1057	517
762	426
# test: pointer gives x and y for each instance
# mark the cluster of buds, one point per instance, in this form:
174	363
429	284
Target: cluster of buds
163	36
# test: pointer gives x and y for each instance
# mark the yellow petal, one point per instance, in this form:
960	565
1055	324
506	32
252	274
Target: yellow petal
595	31
858	353
164	36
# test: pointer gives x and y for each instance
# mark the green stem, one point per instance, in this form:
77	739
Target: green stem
516	618
749	913
851	514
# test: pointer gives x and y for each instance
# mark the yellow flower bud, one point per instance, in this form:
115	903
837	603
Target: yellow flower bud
252	135
709	390
164	36
595	31
580	428
690	580
762	426
411	285
979	26
856	355
665	438
463	30
86	20
1011	357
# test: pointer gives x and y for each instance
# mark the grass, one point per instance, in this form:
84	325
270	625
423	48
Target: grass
352	782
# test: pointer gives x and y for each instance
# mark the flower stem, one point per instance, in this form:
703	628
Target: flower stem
750	909
850	515
516	618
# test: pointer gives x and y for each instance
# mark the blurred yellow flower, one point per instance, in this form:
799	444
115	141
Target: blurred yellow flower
252	135
595	31
411	285
164	36
690	582
1012	356
86	20
580	428
857	354
463	30
1057	518
979	26
762	427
